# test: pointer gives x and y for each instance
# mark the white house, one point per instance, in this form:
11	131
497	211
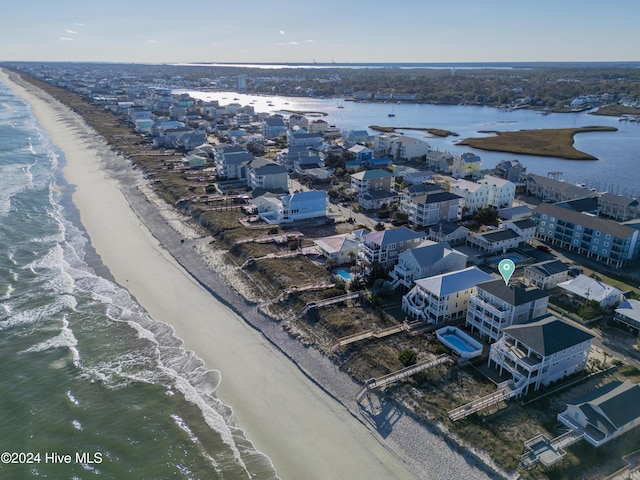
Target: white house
605	413
442	298
474	196
341	248
429	259
628	313
582	288
525	228
501	191
449	232
546	275
539	352
429	209
292	207
494	241
495	306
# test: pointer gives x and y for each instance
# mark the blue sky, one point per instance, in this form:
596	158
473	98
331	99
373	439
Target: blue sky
344	31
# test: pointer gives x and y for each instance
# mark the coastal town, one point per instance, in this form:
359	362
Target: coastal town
382	253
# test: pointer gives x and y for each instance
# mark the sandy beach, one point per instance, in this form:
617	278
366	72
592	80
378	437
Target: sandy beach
302	413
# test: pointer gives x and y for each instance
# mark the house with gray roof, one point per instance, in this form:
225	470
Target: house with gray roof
231	162
385	246
619	207
597	238
495	305
430	208
628	314
444	297
376	179
263	173
449	232
429	259
605	413
546	275
541	351
552	190
494	241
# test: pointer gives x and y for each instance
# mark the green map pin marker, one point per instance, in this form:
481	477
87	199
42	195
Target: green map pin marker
506	268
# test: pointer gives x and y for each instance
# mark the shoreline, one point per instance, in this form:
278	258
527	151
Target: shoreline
378	457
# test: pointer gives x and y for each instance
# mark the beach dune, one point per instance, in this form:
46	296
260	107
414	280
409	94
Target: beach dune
305	432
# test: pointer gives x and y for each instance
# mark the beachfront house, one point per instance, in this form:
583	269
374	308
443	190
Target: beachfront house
429	259
597	238
400	147
273	209
444	297
541	351
605	413
340	249
494	306
384	247
232	161
546	275
263	173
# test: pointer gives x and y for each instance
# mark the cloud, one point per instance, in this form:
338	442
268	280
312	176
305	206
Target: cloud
152	41
293	43
281	32
70	31
310	41
78	24
66	39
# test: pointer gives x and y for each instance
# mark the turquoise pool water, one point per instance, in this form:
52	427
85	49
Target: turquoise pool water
344	275
515	257
459	343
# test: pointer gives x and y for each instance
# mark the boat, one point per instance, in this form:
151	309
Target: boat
391	114
340	105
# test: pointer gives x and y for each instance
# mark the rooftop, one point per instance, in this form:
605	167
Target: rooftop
513	295
548	334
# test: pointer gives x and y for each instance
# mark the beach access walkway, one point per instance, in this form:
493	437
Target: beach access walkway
540	449
398	375
505	391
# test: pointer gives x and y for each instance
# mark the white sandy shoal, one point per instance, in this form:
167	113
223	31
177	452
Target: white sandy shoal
306	433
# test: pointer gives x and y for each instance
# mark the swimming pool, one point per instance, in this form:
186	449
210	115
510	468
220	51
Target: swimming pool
343	274
514	257
457	340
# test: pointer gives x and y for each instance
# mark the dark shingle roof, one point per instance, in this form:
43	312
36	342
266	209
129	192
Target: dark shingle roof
512	295
550	267
548	334
618	401
498	235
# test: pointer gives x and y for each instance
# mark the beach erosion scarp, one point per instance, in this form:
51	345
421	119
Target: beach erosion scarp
293	411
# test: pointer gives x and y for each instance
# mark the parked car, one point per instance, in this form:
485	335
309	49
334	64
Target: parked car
543	248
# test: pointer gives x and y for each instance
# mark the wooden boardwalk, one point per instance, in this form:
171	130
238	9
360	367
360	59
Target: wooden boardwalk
403	373
504	392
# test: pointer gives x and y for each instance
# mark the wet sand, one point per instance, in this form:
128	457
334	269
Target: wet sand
302	413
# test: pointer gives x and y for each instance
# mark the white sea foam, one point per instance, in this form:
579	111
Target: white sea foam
65	339
72	399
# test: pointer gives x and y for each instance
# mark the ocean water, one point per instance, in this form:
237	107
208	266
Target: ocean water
90	385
